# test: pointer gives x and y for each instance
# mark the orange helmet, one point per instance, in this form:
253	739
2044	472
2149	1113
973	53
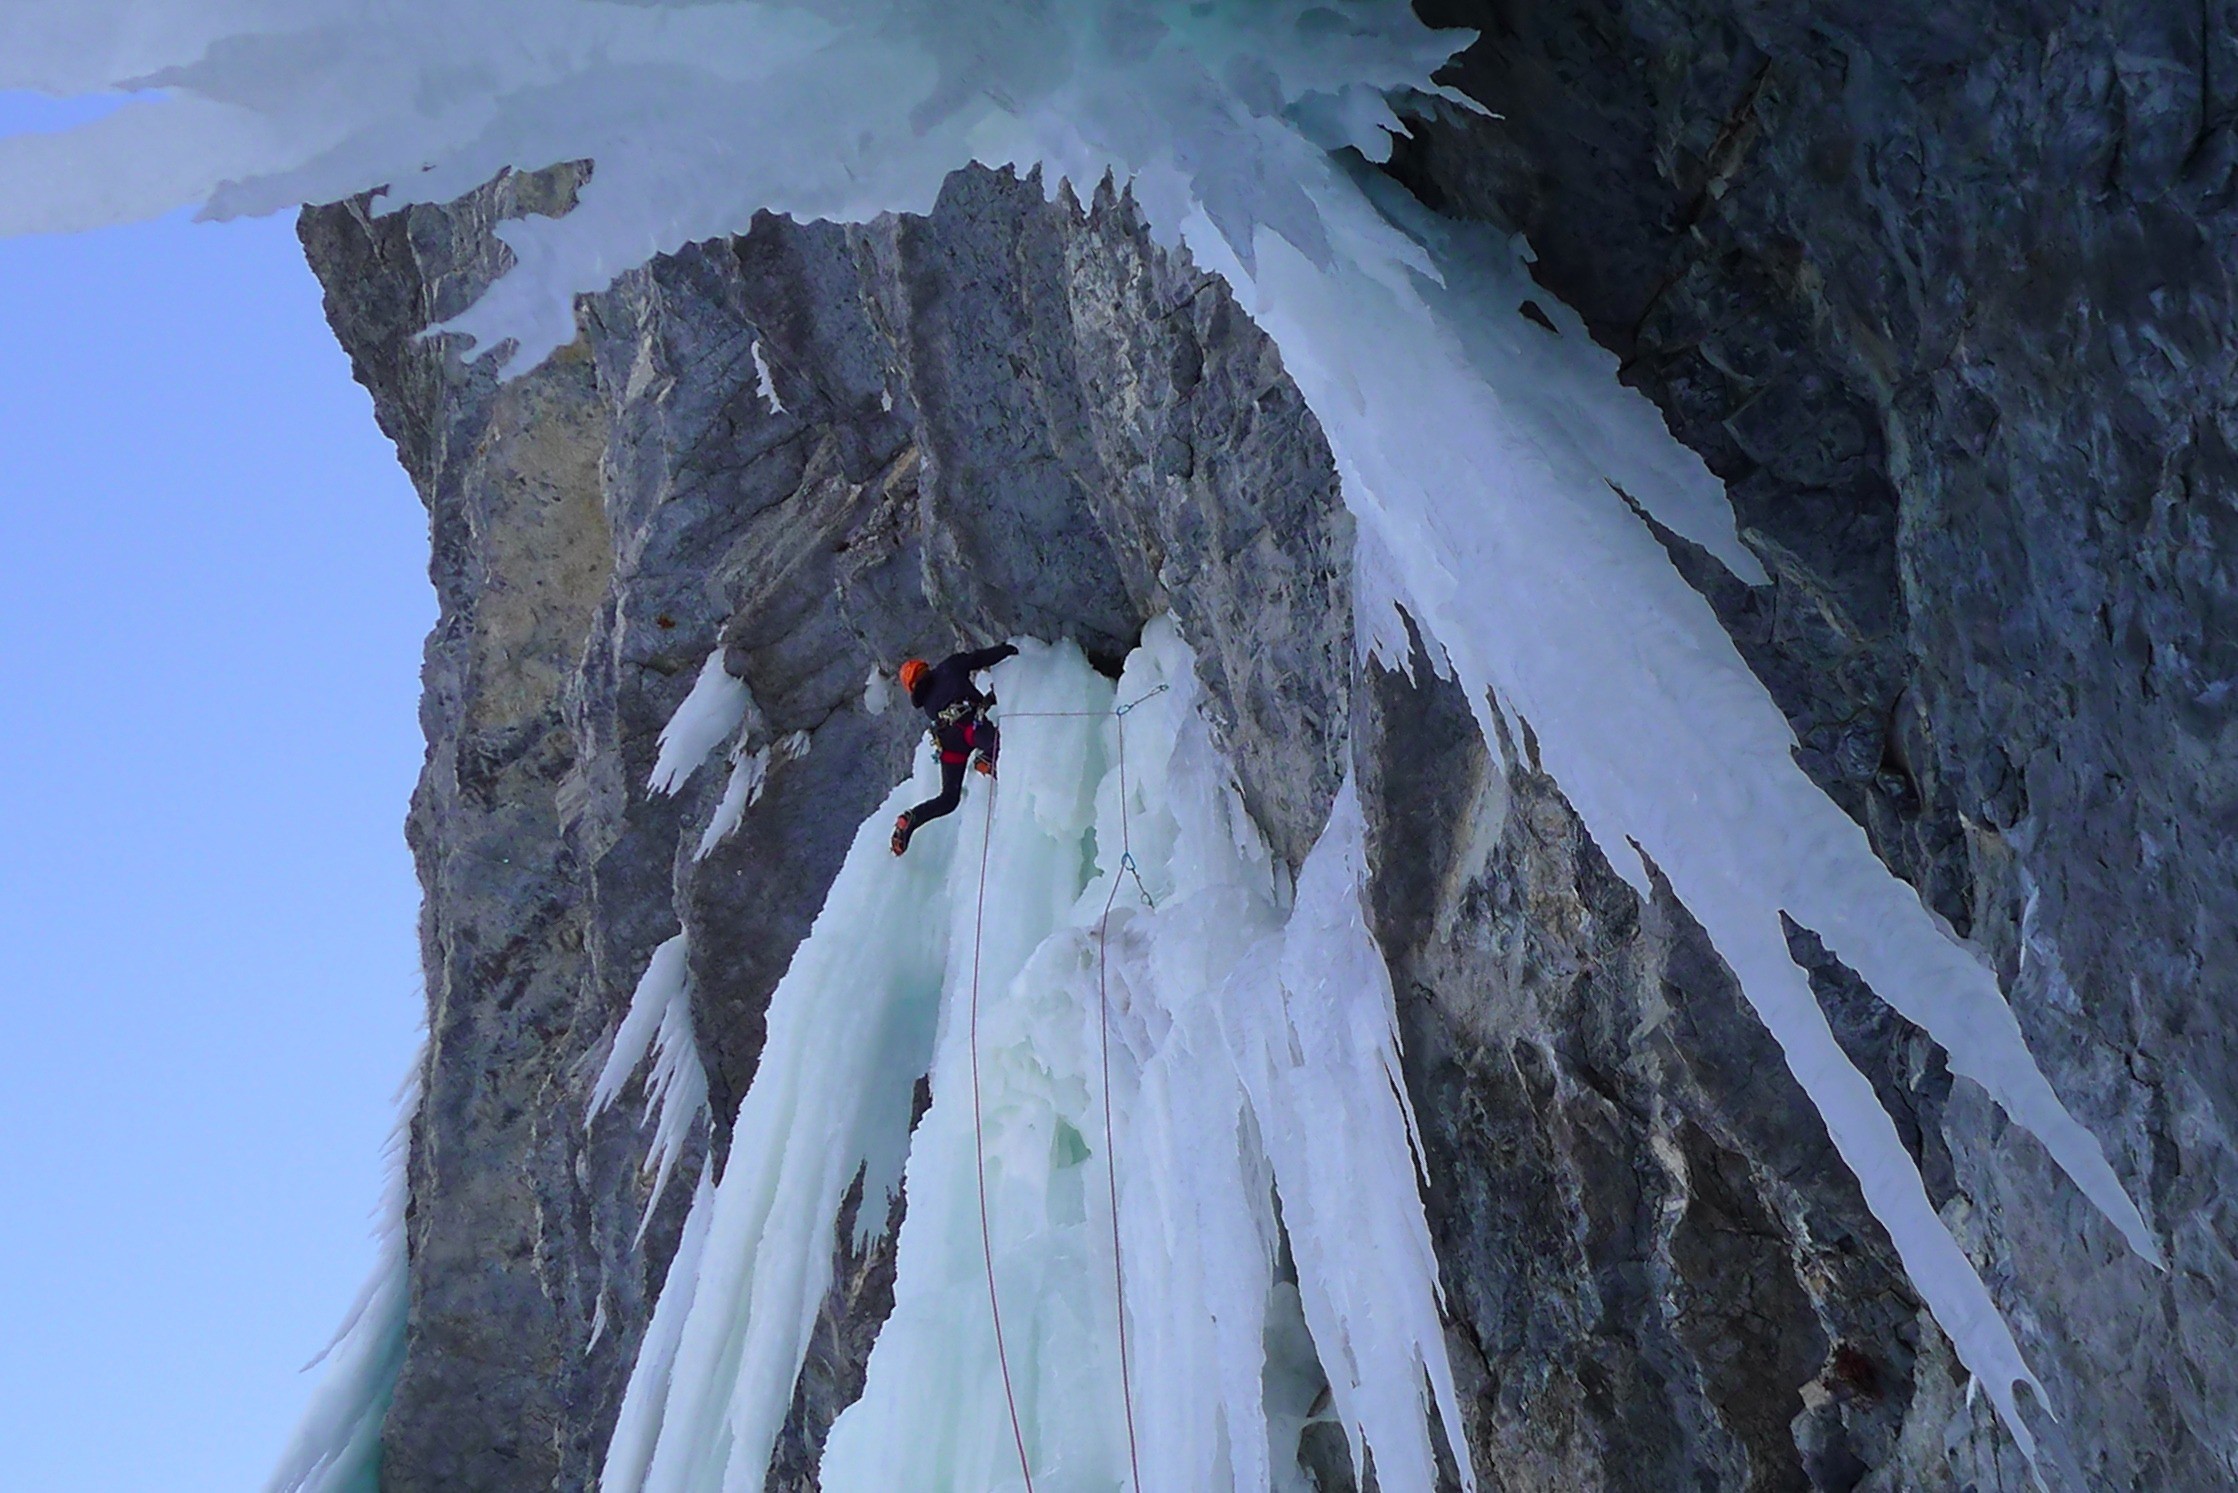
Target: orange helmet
912	673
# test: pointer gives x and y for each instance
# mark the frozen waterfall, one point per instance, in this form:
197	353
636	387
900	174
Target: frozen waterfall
1486	460
1253	1065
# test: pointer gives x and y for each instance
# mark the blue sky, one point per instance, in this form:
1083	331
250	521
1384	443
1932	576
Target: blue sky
212	595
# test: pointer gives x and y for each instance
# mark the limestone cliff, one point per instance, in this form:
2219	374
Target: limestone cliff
1948	304
1004	418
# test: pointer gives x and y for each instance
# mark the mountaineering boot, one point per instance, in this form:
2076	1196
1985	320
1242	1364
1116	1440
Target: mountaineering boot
902	831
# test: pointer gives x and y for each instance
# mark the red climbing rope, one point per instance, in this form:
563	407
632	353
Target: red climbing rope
979	1148
1111	1163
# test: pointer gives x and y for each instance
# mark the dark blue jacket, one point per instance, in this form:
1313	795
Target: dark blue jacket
950	680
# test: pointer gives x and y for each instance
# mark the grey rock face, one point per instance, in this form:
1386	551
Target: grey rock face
1946	298
1010	416
500	1390
1658	1271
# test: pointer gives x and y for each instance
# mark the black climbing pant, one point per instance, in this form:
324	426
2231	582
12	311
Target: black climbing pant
956	743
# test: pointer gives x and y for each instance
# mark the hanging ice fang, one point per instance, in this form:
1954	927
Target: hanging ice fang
659	1025
710	715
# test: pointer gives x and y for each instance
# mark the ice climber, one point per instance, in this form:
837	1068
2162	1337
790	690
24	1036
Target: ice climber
960	728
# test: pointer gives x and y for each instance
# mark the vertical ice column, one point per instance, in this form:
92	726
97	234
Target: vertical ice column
1253	1064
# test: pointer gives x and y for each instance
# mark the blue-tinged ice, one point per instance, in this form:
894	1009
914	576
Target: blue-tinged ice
1253	1062
709	716
698	114
1408	350
749	776
337	1444
658	1027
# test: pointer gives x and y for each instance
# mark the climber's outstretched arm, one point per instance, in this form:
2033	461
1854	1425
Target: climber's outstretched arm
986	658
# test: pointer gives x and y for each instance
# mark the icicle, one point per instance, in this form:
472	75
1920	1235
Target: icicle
598	1325
710	715
835	109
659	1024
1332	1104
337	1445
850	1030
638	1428
1429	388
747	775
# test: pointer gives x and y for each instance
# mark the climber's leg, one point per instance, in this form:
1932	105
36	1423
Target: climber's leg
951	794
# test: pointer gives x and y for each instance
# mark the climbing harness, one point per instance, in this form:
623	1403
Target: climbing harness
956	713
978	1123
